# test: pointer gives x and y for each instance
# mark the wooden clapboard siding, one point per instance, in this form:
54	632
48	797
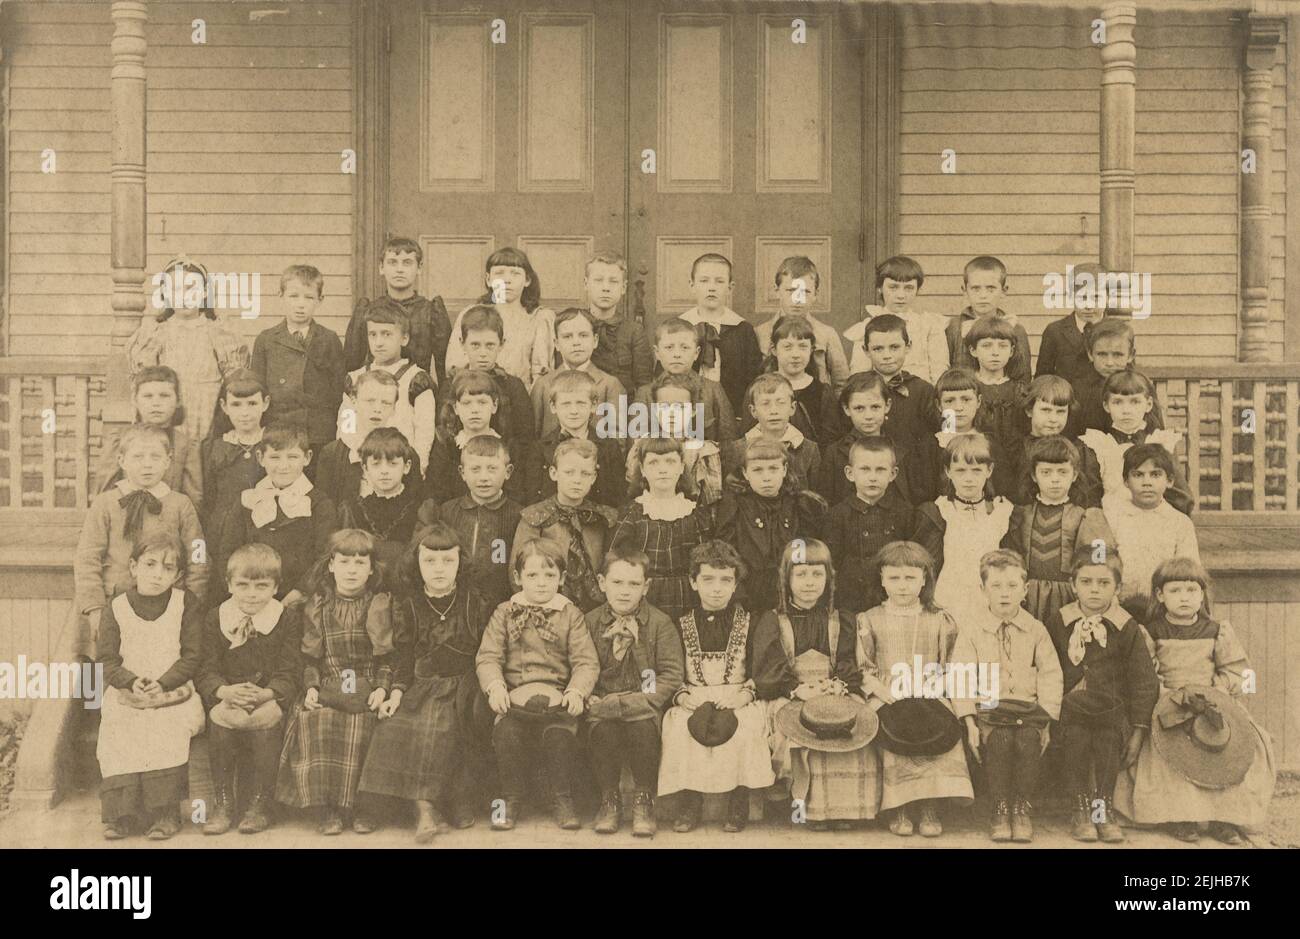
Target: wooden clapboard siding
245	135
1270	631
1016	93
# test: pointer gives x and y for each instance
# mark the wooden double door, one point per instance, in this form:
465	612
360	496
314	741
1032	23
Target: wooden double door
661	129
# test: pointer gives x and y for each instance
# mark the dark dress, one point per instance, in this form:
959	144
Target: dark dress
999	415
228	469
392	520
668	544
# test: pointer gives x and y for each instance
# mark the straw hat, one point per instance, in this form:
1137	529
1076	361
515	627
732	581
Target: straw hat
1205	735
830	723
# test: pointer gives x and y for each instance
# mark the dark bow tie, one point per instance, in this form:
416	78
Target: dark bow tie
1135	438
708	336
896	382
135	505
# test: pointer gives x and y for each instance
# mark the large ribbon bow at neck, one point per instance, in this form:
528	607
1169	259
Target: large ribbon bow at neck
622	633
1201	718
262	502
708	336
135	505
896	382
524	616
1088	629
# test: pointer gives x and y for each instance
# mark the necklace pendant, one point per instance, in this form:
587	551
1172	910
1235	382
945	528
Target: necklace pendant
442	617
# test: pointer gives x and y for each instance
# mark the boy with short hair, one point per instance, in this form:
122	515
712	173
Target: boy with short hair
248	680
677	346
1062	350
572	399
155	396
912	411
430	327
482	334
797	283
386	504
622	347
898	281
388	331
471	410
729	350
624	711
874	515
575	340
1009	731
770	401
374	400
300	362
983	285
484	518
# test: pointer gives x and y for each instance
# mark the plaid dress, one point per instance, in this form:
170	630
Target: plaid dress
668	544
324	749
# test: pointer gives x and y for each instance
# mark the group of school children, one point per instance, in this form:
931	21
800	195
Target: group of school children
411	565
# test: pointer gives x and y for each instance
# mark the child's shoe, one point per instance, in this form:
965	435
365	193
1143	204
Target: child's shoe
1022	828
1185	831
566	816
257	817
689	810
930	826
1081	826
1108	828
643	815
610	814
462	816
1000	825
900	823
165	826
331	822
426	825
843	824
737	811
219	821
116	831
1228	834
505	815
363	823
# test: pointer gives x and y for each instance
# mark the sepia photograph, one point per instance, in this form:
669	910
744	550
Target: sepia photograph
642	424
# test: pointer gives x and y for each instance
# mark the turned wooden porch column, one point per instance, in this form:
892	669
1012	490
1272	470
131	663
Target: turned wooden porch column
1118	127
128	238
1263	34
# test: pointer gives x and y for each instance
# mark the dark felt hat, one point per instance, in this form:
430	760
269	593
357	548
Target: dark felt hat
1012	712
918	727
1205	735
712	726
830	723
536	701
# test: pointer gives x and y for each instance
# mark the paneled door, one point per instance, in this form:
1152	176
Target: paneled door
754	114
507	126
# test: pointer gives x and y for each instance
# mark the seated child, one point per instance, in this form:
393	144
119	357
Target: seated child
1148	530
150	642
983	285
804	649
536	645
572	400
284	510
1193	650
301	361
485	517
761	511
874	515
514	293
575	341
1110	691
248	679
577	527
663	521
634	641
797	283
387	507
156	396
906	627
959	394
425	751
350	657
400	266
898	281
338	467
1049	531
912	411
770	402
1011	730
137	507
482	340
790	354
389	332
623	349
467	412
729	351
719	664
677	346
865	401
958	528
1062	351
229	455
1047	404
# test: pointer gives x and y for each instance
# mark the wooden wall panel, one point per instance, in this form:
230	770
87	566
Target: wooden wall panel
695	101
771	250
557	121
673	257
457	89
794	105
563	258
453	268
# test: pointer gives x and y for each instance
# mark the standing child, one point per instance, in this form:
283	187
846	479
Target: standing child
1062	350
958	394
663	522
677	346
187	337
482	335
898	281
349	629
678	406
991	343
399	268
537	665
136	508
338	473
864	400
912	411
1110	690
622	348
791	348
229	456
983	285
1049	531
1203	669
150	642
248	680
729	351
515	293
387	505
575	341
573	397
797	283
425	752
284	510
908	634
470	409
301	361
1047	404
770	402
624	713
577	527
1111	347
958	528
1010	732
802	651
715	734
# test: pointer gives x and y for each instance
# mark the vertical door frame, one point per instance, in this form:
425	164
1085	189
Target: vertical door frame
370	128
881	134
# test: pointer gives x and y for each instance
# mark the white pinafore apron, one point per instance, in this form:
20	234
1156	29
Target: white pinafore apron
136	740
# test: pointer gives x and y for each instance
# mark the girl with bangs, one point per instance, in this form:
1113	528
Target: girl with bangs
816	410
388	502
1048	405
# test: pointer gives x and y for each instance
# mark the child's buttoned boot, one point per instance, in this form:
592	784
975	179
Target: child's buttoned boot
610	814
690	805
1000	824
223	783
737	810
1022	827
643	815
1108	828
1081	826
426	824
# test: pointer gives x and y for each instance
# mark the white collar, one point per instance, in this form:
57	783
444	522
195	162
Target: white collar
729	317
463	436
264	620
557	602
990	622
369	490
666	510
299	487
158	490
792	437
231	437
1115	614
